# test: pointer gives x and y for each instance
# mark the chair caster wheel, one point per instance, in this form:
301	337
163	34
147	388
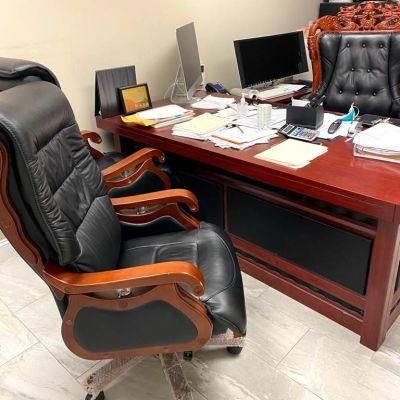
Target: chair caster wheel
99	397
188	355
234	349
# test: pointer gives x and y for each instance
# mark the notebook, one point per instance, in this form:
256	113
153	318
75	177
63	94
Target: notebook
292	153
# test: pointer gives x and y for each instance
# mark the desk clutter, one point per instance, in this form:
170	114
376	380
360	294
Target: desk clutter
292	153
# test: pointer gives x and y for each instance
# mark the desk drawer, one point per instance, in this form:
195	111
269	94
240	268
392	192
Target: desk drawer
331	252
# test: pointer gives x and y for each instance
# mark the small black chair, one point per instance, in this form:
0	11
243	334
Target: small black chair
131	276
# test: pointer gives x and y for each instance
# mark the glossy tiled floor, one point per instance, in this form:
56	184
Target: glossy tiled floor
292	353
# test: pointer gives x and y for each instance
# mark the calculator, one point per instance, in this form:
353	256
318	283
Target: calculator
297	132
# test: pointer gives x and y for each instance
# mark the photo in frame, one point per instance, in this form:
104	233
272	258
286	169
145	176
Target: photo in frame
135	98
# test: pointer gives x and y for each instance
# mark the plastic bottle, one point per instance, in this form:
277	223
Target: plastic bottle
242	107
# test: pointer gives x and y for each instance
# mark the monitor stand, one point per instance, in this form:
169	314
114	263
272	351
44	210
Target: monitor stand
179	94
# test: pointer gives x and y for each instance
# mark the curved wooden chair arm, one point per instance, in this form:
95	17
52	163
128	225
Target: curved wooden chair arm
95	138
178	272
181	196
131	161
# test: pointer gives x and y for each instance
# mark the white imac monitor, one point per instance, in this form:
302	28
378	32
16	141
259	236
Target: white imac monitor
189	76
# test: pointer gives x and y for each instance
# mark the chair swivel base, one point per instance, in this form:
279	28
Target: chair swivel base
95	383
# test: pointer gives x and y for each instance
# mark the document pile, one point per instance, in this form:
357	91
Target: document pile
292	153
241	138
213	103
381	142
201	127
160	116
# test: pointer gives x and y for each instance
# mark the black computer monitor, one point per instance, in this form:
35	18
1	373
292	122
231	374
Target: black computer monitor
267	58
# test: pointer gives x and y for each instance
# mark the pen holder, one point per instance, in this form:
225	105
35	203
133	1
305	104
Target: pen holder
307	117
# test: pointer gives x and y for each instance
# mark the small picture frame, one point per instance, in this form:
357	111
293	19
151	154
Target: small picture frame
135	98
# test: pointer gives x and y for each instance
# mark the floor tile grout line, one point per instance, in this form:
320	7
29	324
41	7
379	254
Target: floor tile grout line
20	353
53	355
300	339
27	305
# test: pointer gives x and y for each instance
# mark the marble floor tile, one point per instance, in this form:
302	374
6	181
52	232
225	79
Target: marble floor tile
254	288
14	337
301	313
388	356
20	286
43	319
36	375
6	251
271	334
338	370
218	375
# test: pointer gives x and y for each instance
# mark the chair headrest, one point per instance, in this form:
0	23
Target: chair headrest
14	72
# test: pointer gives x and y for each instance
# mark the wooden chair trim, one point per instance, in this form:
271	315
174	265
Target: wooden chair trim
365	17
148	165
147	275
172	210
131	161
182	196
169	293
10	223
90	136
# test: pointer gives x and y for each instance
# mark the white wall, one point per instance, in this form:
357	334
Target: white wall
76	37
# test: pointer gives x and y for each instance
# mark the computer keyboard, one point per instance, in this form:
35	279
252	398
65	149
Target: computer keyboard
273	92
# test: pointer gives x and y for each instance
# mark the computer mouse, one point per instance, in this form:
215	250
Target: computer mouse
334	126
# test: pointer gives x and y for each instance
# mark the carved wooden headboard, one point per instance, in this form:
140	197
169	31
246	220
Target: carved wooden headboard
366	16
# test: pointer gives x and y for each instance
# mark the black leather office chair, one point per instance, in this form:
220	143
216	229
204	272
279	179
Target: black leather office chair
146	173
361	68
126	284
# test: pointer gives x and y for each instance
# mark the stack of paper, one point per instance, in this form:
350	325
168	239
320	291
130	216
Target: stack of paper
292	153
278	119
241	138
381	142
201	127
160	116
213	103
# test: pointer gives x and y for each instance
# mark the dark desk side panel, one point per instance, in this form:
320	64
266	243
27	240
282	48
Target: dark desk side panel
209	194
331	252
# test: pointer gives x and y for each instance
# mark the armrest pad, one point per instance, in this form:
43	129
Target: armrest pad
157	198
93	136
148	275
132	160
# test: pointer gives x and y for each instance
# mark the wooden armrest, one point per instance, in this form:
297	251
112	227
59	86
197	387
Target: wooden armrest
148	275
93	136
132	160
182	196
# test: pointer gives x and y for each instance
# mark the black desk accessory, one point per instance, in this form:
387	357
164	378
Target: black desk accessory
334	126
107	83
307	117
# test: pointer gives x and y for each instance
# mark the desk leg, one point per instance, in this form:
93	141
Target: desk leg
381	283
117	143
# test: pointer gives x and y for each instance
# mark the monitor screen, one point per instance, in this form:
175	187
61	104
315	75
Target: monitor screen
189	56
267	58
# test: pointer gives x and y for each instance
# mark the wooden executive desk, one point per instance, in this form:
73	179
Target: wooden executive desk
326	235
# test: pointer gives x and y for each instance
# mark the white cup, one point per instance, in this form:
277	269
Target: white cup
264	116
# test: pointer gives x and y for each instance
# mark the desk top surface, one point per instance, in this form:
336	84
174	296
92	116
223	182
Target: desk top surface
336	173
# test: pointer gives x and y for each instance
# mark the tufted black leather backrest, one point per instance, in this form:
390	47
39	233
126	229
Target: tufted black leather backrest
361	68
15	72
58	180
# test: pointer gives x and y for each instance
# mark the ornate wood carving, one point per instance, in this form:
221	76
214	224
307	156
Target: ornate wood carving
89	136
367	16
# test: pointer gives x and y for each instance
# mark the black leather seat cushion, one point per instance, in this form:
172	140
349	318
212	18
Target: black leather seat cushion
361	68
109	159
210	249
